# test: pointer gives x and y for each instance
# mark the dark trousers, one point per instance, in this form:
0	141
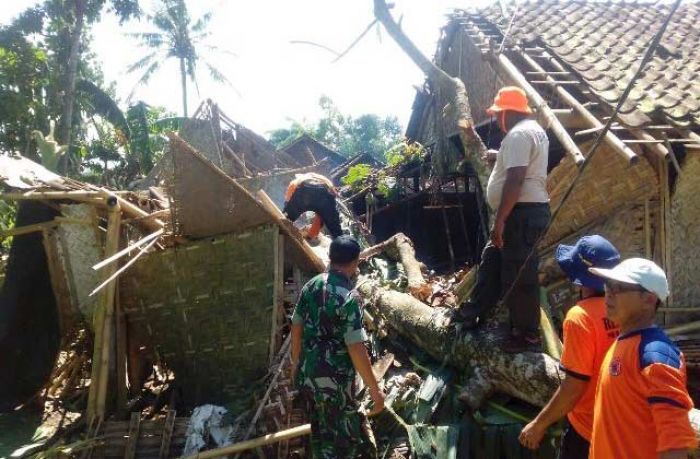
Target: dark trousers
499	268
317	198
573	445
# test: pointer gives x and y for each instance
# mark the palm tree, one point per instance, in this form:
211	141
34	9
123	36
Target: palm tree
177	37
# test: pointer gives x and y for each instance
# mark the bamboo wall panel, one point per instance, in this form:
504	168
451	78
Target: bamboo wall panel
685	235
607	185
207	201
206	309
81	248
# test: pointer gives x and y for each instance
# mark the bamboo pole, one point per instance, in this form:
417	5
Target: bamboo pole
678	310
115	274
104	316
640	134
134	211
615	143
39	195
254	443
684	328
127	250
552	343
543	109
18	231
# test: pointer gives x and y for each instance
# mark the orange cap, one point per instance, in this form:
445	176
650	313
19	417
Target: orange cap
510	98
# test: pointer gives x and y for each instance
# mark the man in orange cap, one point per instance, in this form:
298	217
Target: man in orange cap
517	193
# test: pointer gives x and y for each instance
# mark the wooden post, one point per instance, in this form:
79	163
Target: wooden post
668	253
543	109
647	230
254	443
122	390
104	320
277	292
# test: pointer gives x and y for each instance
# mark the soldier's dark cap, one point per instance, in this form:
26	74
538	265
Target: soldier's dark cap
344	249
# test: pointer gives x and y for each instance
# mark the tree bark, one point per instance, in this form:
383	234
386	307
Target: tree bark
399	248
529	376
453	87
65	133
183	77
532	377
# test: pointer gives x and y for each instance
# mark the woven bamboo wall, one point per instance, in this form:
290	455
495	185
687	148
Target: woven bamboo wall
608	185
685	235
81	247
465	61
625	229
206	311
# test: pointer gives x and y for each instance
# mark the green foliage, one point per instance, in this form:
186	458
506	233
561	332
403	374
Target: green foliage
357	176
342	133
98	102
34	54
387	186
8	215
404	153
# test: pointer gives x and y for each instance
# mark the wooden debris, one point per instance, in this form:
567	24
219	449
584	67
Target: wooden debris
255	443
399	247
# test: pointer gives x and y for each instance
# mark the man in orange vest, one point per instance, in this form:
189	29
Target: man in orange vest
313	192
641	403
588	334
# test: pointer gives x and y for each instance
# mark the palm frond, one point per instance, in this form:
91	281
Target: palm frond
202	22
145	76
140	146
141	63
219	77
102	104
150	39
219	50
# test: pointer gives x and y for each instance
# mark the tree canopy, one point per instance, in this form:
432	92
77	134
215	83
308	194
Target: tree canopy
367	133
177	36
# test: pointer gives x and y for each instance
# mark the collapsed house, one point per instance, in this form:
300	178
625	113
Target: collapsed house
574	59
198	313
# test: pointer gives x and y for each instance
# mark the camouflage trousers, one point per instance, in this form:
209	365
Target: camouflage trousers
338	429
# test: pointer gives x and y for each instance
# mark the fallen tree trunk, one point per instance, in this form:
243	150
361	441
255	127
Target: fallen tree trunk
399	248
452	87
529	376
532	377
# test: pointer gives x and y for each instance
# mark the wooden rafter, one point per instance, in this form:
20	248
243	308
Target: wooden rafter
615	143
504	64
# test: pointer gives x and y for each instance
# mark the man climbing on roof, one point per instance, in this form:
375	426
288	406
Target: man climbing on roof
641	402
328	348
313	192
517	192
588	334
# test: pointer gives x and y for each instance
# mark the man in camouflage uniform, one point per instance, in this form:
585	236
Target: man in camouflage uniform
327	349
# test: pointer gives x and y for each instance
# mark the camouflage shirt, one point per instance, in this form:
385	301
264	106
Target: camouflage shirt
329	311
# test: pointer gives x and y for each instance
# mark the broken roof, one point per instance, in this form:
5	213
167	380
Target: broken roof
308	151
600	43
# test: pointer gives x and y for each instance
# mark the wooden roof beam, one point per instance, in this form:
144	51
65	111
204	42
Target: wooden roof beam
543	109
657	149
610	138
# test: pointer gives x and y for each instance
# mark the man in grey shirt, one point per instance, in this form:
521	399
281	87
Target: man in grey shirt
517	193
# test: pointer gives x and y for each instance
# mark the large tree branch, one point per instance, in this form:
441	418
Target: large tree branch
452	87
